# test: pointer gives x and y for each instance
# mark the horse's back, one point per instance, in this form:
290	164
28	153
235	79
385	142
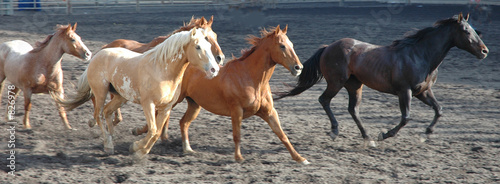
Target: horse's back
14	48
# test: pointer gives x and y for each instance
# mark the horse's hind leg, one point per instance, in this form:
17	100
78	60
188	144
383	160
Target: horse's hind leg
272	119
325	100
118	113
355	89
191	113
111	107
428	98
404	105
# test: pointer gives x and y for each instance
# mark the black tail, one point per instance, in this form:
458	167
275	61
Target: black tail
311	74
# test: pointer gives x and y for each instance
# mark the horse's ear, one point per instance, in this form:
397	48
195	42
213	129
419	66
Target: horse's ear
203	21
74	26
286	29
277	31
467	17
68	28
211	21
460	17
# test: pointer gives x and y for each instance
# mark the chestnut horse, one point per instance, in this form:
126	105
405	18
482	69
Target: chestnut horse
39	70
241	89
141	47
406	68
151	79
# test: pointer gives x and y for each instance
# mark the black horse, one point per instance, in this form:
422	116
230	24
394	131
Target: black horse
406	68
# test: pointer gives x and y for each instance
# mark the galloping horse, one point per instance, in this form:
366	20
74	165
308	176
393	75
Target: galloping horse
406	68
141	47
151	79
241	89
39	70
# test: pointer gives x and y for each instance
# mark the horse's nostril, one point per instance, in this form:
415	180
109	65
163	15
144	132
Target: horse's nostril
212	70
297	67
485	51
218	58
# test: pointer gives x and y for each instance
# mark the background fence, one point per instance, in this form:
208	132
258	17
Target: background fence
10	7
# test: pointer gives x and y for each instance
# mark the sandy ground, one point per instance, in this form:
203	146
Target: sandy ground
464	148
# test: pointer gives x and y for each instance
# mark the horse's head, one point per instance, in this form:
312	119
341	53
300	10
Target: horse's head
282	52
466	38
72	43
212	38
199	54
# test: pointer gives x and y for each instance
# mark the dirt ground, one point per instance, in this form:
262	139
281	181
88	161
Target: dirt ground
463	149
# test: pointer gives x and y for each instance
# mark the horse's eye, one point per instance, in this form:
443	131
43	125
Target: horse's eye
282	46
206	38
73	40
198	47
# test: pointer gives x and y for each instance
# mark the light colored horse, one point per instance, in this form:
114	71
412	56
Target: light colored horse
151	79
241	89
142	47
39	70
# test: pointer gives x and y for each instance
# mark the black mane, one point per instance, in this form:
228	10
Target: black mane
415	38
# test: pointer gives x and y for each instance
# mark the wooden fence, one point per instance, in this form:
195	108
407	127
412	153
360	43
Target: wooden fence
10	7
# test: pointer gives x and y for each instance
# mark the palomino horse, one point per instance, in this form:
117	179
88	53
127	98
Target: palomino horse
151	79
406	68
241	89
39	70
141	47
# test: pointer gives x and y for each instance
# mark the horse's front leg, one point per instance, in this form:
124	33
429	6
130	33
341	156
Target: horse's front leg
62	112
161	122
27	108
428	98
272	119
191	113
236	118
139	147
404	105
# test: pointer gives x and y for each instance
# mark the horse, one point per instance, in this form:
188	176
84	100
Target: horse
193	23
151	79
241	89
141	48
406	68
38	70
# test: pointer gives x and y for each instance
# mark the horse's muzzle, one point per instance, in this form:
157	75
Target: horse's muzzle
297	70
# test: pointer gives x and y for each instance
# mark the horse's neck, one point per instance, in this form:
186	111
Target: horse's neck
434	47
49	57
261	66
173	70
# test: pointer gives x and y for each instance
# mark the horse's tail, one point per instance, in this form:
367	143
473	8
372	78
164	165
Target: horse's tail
83	94
311	74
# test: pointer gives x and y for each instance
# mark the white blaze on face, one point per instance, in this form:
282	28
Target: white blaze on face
206	48
80	42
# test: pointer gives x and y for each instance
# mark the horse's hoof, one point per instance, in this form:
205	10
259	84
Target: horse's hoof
91	123
334	135
190	151
381	136
27	127
135	131
239	160
423	137
305	162
369	143
109	150
133	148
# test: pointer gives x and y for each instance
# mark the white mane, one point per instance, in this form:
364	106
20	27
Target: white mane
173	47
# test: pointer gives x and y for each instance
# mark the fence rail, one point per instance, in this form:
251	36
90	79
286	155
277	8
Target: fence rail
9	7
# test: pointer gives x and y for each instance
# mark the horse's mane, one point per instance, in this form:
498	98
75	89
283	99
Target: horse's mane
412	39
40	45
172	47
255	41
198	23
